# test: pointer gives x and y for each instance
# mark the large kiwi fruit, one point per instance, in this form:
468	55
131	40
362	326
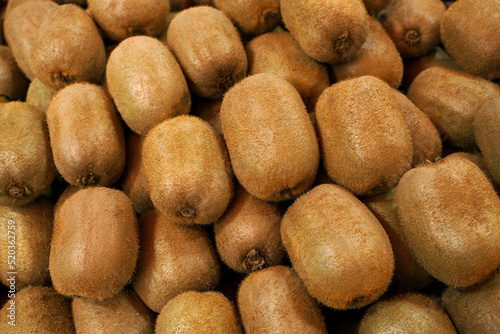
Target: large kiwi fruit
13	83
487	135
40	95
337	247
271	141
95	243
26	165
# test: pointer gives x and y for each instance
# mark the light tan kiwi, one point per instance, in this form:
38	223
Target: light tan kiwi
26	165
207	312
365	141
271	141
13	83
337	247
449	215
40	95
146	83
406	313
477	159
95	243
86	136
487	134
378	57
280	54
470	32
25	240
252	17
174	259
274	300
11	4
375	6
330	32
247	236
209	110
124	313
37	310
209	50
451	99
21	27
187	170
413	25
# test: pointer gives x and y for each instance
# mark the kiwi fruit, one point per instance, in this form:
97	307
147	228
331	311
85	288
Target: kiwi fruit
271	141
365	141
377	57
27	231
375	6
337	247
470	30
40	95
21	27
26	165
95	243
475	310
146	83
174	259
207	312
449	215
413	25
477	159
209	50
487	135
11	4
209	110
123	313
451	99
280	54
406	313
68	48
13	83
86	136
37	309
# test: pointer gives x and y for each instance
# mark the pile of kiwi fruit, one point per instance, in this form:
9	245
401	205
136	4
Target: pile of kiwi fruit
250	166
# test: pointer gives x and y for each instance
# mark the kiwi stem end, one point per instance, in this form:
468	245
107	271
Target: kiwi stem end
411	37
254	261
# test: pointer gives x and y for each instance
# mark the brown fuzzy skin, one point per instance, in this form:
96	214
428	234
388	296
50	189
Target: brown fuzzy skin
378	57
274	300
365	141
124	313
338	248
67	193
68	49
187	170
407	313
209	50
375	6
32	225
11	4
13	83
329	32
280	54
86	136
252	17
209	110
39	95
413	25
146	83
475	310
470	32
38	310
451	99
450	217
26	165
198	312
247	236
21	27
95	243
127	18
134	182
174	259
270	138
477	159
487	134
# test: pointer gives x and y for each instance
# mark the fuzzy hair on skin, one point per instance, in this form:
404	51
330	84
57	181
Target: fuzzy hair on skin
39	95
487	135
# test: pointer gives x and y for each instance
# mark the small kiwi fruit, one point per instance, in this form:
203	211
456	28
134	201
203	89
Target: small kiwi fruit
40	95
26	165
146	83
487	135
209	50
95	243
271	141
13	83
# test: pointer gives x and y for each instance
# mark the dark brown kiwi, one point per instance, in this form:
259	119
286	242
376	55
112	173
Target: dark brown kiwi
209	110
13	83
487	135
375	6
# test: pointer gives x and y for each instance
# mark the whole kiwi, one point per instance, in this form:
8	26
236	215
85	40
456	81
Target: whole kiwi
13	83
95	243
274	300
26	165
487	134
68	49
450	218
207	312
40	95
337	247
209	50
146	83
271	141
